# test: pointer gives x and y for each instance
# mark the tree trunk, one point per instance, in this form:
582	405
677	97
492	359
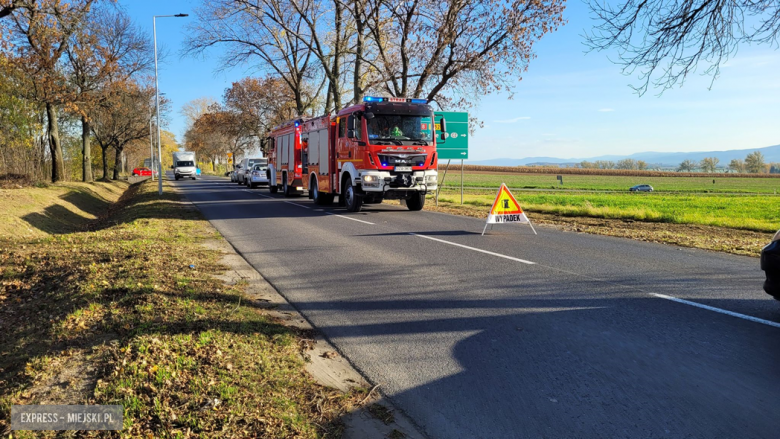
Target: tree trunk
57	162
328	98
356	75
86	149
105	161
335	73
117	161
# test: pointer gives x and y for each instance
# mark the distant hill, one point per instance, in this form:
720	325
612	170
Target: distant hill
668	159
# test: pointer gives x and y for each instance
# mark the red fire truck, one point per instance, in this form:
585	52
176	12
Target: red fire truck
382	148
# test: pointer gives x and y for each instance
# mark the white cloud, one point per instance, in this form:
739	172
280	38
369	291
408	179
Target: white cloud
512	120
606	110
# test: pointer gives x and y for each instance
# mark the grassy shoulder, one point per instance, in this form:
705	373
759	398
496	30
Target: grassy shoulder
708	237
35	212
126	311
748	212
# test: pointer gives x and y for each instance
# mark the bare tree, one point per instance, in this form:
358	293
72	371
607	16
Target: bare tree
454	51
754	162
7	7
627	164
667	39
262	33
110	49
195	108
737	165
709	164
686	166
122	117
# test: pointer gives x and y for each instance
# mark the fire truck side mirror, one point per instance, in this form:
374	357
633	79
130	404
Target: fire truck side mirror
351	122
350	134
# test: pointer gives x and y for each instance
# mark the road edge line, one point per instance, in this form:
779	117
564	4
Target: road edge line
717	310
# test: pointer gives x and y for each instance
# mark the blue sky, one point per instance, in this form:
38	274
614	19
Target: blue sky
569	104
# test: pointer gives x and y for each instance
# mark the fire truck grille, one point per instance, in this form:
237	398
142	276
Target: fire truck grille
402	160
400	180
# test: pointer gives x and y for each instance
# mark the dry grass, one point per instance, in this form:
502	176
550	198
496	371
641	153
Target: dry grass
127	310
36	212
740	242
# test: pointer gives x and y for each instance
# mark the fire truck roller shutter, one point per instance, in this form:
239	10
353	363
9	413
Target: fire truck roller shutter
291	152
278	152
314	147
282	152
324	156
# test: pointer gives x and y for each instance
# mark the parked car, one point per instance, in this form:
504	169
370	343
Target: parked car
770	263
641	188
142	172
257	176
246	166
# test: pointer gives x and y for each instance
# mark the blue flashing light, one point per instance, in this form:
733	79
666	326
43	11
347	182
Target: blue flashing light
297	123
419	101
372	99
384	164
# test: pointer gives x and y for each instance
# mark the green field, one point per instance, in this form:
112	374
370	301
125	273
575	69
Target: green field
614	183
749	212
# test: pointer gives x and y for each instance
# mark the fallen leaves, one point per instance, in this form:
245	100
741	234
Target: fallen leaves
176	349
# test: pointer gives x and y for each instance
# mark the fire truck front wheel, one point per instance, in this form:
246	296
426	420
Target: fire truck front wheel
352	201
416	202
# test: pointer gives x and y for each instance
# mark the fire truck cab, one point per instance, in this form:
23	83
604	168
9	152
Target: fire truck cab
382	148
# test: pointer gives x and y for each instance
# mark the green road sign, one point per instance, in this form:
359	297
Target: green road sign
456	145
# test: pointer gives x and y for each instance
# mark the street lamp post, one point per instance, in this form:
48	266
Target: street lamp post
157	99
151	146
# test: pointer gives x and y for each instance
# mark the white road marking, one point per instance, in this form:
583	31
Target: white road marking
718	310
268	196
349	218
476	249
660	296
296	204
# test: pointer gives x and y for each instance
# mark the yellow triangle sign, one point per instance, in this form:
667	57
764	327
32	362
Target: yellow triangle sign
506	210
505	203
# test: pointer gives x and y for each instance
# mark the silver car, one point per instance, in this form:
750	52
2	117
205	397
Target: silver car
258	176
641	188
245	167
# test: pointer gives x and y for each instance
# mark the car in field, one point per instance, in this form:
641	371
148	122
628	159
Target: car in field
770	263
142	172
641	188
258	176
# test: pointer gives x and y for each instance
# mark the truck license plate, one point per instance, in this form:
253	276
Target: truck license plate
403	169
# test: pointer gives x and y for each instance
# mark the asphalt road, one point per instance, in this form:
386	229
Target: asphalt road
520	335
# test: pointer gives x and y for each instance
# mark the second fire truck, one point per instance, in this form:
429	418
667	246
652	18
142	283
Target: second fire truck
383	148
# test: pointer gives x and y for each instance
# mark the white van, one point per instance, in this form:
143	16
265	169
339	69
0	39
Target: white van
184	165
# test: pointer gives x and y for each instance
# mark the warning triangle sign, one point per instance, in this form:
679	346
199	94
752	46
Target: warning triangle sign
505	203
506	210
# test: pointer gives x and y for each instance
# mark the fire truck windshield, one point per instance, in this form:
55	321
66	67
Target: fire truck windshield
393	127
